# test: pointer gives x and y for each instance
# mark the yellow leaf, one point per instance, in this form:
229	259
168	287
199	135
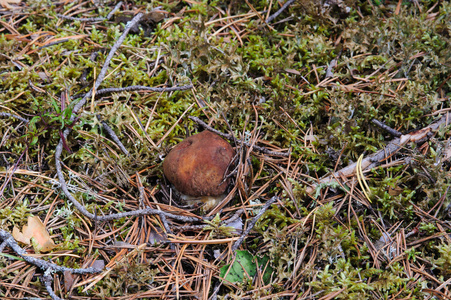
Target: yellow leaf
18	236
37	231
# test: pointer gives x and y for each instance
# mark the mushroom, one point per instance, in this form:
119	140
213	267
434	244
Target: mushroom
196	168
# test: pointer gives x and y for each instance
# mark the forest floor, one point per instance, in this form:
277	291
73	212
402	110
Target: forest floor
338	111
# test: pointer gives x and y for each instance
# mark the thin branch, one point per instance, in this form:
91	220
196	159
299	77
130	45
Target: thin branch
237	214
113	135
110	15
81	19
277	13
8	115
54	43
390	130
2	246
143	88
59	148
375	159
165	224
16	165
205	125
104	69
48	280
253	222
191	227
41	264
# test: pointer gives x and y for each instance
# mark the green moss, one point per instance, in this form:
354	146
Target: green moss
393	67
15	216
443	261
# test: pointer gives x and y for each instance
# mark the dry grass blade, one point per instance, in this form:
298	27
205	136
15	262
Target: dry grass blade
361	178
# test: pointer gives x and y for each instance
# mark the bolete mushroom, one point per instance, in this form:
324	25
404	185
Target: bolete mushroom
196	167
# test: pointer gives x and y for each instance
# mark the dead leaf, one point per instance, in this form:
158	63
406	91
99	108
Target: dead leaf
395	191
69	279
6	3
36	230
98	264
237	225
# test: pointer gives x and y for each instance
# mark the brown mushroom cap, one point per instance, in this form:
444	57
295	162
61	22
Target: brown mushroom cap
196	166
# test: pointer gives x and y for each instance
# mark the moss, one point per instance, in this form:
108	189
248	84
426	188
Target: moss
15	216
391	65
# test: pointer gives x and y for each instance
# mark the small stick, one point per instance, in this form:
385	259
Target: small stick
110	15
113	135
277	13
14	116
41	264
54	43
375	159
143	88
191	227
390	130
81	19
237	214
3	245
165	224
253	222
16	165
48	267
104	69
48	280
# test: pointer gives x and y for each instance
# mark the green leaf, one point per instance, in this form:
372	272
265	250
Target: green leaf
55	106
263	264
32	123
11	256
34	140
245	266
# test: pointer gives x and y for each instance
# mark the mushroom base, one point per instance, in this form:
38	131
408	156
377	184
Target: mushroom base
209	202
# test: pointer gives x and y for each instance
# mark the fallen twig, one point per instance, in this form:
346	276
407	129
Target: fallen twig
113	136
16	165
48	267
277	13
14	116
386	128
237	214
47	280
253	222
54	43
143	88
375	159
